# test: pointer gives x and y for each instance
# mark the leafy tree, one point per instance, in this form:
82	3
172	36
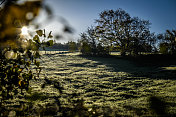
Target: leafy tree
170	36
122	31
84	44
72	46
164	48
91	45
167	42
92	38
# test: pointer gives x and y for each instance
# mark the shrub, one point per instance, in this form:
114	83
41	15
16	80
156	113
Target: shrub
15	65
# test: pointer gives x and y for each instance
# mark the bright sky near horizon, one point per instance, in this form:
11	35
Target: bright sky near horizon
81	14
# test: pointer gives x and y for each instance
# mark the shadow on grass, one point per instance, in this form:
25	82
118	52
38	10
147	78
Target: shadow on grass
36	96
151	66
86	64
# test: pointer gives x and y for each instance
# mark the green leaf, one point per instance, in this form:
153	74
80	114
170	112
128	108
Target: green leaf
36	39
50	36
39	32
49	43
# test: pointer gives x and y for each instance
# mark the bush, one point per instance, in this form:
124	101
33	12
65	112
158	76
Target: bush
15	67
164	48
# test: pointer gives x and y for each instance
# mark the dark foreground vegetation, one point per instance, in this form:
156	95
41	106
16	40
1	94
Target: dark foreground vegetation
138	82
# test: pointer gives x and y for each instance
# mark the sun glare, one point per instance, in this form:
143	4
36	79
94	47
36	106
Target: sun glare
24	30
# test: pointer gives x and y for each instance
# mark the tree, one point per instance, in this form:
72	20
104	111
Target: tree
84	44
170	36
91	44
164	48
122	31
167	42
72	46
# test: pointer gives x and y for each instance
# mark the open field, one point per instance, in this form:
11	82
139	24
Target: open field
121	85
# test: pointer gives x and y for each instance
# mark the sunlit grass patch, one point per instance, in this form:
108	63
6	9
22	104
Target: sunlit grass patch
169	68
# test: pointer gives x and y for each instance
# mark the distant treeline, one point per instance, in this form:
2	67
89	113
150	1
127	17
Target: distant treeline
69	46
118	31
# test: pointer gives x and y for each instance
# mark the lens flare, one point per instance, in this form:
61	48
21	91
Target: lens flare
24	30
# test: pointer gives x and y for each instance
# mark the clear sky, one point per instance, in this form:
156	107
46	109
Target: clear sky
81	14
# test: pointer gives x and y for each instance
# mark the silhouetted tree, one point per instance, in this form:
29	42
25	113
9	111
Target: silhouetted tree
91	44
122	31
167	43
85	48
164	48
171	37
92	40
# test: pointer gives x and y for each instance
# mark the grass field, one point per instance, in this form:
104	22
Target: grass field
123	86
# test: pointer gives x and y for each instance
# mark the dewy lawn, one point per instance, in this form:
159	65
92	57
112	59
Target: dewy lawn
119	84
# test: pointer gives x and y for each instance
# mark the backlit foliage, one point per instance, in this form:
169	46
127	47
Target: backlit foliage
15	65
13	17
18	53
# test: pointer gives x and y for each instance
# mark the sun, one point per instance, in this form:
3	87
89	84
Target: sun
24	30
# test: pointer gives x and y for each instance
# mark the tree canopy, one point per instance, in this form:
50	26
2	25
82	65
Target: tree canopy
128	34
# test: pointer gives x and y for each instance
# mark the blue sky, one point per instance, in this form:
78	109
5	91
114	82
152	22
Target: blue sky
82	13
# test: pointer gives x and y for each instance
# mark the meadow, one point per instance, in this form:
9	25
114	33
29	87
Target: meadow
111	86
139	80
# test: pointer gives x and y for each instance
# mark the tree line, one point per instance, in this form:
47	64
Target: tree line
116	30
69	46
